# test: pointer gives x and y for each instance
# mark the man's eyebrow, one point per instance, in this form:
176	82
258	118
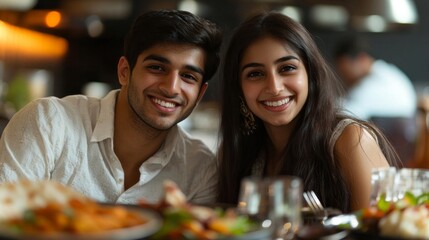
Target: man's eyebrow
156	58
195	69
165	60
282	59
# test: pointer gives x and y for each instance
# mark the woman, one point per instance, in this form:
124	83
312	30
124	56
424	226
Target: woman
280	117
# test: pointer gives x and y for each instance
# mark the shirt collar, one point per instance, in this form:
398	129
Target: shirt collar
105	123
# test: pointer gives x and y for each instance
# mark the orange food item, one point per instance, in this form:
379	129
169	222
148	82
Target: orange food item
74	213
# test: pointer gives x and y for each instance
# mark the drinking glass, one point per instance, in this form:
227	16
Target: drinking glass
275	202
392	184
412	180
383	185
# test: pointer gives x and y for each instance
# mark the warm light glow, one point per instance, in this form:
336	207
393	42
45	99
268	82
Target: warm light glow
16	42
53	19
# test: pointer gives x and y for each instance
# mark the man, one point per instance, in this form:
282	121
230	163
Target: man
122	147
375	87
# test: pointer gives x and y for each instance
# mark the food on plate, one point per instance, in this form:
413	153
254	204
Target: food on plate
407	217
409	222
47	207
186	221
16	197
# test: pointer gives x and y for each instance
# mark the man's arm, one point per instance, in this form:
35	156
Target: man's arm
28	142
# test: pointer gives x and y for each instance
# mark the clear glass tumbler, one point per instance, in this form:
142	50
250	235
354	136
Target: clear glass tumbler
275	202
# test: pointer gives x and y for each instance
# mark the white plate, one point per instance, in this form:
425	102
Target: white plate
153	224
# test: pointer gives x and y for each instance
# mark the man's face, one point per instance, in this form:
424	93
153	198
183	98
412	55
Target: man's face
349	70
165	84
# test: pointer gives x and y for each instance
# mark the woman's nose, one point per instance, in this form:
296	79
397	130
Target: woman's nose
274	84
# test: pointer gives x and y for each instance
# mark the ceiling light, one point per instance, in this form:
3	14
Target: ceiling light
292	12
21	5
403	11
330	16
383	15
94	26
190	6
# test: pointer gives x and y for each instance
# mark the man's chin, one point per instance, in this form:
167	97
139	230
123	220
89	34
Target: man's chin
163	126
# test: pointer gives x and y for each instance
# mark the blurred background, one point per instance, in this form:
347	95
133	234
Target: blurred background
62	47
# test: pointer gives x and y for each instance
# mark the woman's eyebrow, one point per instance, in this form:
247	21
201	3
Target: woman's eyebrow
251	65
286	58
282	59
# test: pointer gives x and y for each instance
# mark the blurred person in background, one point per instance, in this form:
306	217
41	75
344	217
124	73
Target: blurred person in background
121	148
374	87
280	116
379	92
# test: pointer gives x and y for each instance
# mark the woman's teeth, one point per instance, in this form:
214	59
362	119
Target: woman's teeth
277	103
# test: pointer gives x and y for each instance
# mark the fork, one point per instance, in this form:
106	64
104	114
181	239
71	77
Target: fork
315	205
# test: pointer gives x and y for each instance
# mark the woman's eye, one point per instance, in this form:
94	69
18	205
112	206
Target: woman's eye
287	68
254	74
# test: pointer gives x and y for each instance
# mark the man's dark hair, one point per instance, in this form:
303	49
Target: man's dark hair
174	26
352	46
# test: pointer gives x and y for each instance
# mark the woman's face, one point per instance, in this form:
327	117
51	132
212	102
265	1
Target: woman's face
274	81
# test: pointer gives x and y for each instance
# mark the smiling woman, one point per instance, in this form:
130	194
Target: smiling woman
280	116
274	82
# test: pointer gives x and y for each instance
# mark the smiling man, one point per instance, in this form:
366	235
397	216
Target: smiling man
123	147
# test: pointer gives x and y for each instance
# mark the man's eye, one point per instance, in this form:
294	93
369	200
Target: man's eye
155	67
189	76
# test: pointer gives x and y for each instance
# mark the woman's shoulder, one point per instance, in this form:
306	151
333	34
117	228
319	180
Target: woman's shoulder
349	132
349	126
339	128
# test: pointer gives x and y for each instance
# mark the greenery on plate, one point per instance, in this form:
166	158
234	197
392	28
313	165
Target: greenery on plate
182	223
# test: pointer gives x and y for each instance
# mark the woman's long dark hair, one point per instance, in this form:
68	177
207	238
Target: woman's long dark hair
307	154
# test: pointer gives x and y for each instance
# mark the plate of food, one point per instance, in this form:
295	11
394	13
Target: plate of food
49	210
183	220
407	218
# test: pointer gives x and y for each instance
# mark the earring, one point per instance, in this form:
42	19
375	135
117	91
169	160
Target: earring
249	120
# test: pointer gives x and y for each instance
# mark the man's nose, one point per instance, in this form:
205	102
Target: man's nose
171	84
